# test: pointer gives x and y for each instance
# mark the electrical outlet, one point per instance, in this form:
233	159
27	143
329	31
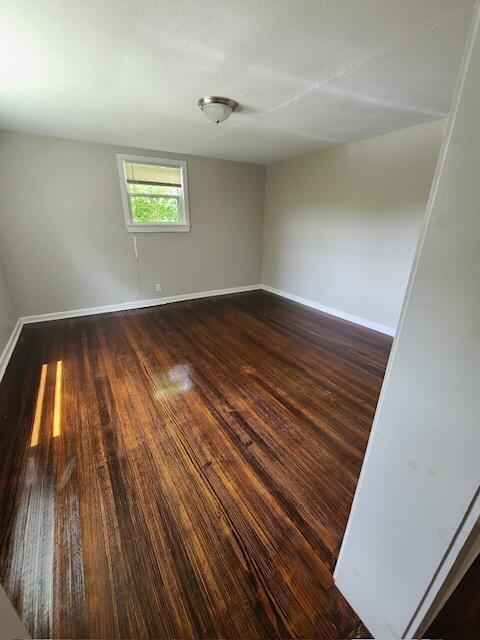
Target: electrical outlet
158	287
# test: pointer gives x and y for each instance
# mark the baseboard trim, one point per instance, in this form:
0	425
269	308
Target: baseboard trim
123	306
135	304
154	302
389	331
9	347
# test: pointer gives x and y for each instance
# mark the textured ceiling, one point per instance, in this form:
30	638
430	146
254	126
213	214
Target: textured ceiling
308	74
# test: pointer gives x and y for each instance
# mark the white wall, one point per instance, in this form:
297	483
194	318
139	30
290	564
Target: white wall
8	313
62	236
421	473
341	225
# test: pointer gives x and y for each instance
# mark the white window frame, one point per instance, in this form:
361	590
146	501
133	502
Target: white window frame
155	227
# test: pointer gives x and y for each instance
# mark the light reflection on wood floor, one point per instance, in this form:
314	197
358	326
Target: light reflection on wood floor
184	471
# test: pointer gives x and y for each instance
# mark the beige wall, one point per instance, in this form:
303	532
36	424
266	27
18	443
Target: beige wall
341	225
62	236
8	313
11	626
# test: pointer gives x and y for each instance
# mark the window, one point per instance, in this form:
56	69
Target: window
154	193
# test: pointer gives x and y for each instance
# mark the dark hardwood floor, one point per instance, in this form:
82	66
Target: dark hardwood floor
184	471
460	616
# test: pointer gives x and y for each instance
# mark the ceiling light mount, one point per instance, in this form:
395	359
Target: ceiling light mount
216	108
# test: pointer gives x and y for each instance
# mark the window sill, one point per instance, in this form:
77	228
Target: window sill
157	228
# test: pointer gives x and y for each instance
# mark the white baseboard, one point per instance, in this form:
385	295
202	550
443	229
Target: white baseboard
389	331
123	306
9	347
153	302
135	304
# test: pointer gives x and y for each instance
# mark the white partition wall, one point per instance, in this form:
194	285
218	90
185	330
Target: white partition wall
417	497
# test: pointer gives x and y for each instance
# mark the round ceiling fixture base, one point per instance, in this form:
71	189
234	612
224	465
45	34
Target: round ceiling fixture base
217	108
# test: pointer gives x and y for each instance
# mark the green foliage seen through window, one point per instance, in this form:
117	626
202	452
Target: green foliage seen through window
151	203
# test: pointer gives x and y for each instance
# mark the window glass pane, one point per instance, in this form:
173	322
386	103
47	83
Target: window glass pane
154	193
153	189
155	209
152	174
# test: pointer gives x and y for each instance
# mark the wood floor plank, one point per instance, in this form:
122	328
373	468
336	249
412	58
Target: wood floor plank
191	473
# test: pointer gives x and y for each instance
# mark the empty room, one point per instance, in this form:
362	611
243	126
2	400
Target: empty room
239	319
